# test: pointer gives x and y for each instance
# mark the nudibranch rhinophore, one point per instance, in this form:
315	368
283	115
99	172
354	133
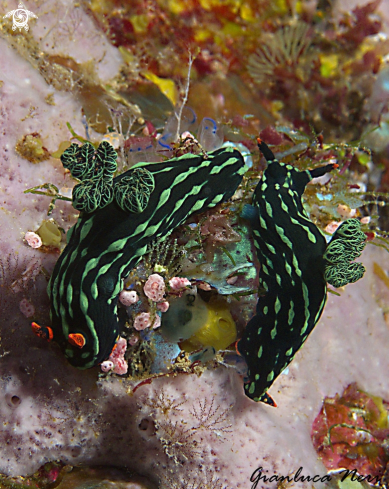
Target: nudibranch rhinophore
119	217
295	263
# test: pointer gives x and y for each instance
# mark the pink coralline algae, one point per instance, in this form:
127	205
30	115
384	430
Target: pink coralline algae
143	321
179	283
128	297
155	287
117	357
26	308
163	306
350	432
33	239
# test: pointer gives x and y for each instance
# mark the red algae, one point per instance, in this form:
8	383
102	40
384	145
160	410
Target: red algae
351	430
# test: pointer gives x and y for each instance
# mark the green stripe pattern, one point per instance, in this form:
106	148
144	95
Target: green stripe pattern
145	204
290	249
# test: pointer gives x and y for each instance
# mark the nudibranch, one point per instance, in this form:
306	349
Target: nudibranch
119	218
295	263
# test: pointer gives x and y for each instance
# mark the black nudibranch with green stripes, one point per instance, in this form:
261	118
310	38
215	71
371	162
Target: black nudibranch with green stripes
296	263
119	217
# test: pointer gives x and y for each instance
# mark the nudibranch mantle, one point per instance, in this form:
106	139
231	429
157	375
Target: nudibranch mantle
292	277
104	245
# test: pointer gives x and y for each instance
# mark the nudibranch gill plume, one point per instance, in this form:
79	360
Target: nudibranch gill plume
296	264
119	218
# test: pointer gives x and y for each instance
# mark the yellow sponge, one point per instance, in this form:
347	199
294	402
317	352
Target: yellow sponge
219	330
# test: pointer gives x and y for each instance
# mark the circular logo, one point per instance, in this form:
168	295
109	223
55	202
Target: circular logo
20	19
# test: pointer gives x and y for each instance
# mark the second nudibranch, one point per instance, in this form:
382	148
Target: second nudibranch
295	267
119	218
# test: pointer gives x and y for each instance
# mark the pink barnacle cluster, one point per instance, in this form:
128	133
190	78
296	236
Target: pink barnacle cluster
155	288
163	306
128	297
116	361
143	321
178	285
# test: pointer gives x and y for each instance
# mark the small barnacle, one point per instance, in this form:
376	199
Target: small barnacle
163	306
177	441
144	320
179	283
219	230
128	297
33	239
106	366
279	53
31	148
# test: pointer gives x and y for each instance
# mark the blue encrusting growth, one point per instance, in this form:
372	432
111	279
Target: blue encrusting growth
119	218
294	271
